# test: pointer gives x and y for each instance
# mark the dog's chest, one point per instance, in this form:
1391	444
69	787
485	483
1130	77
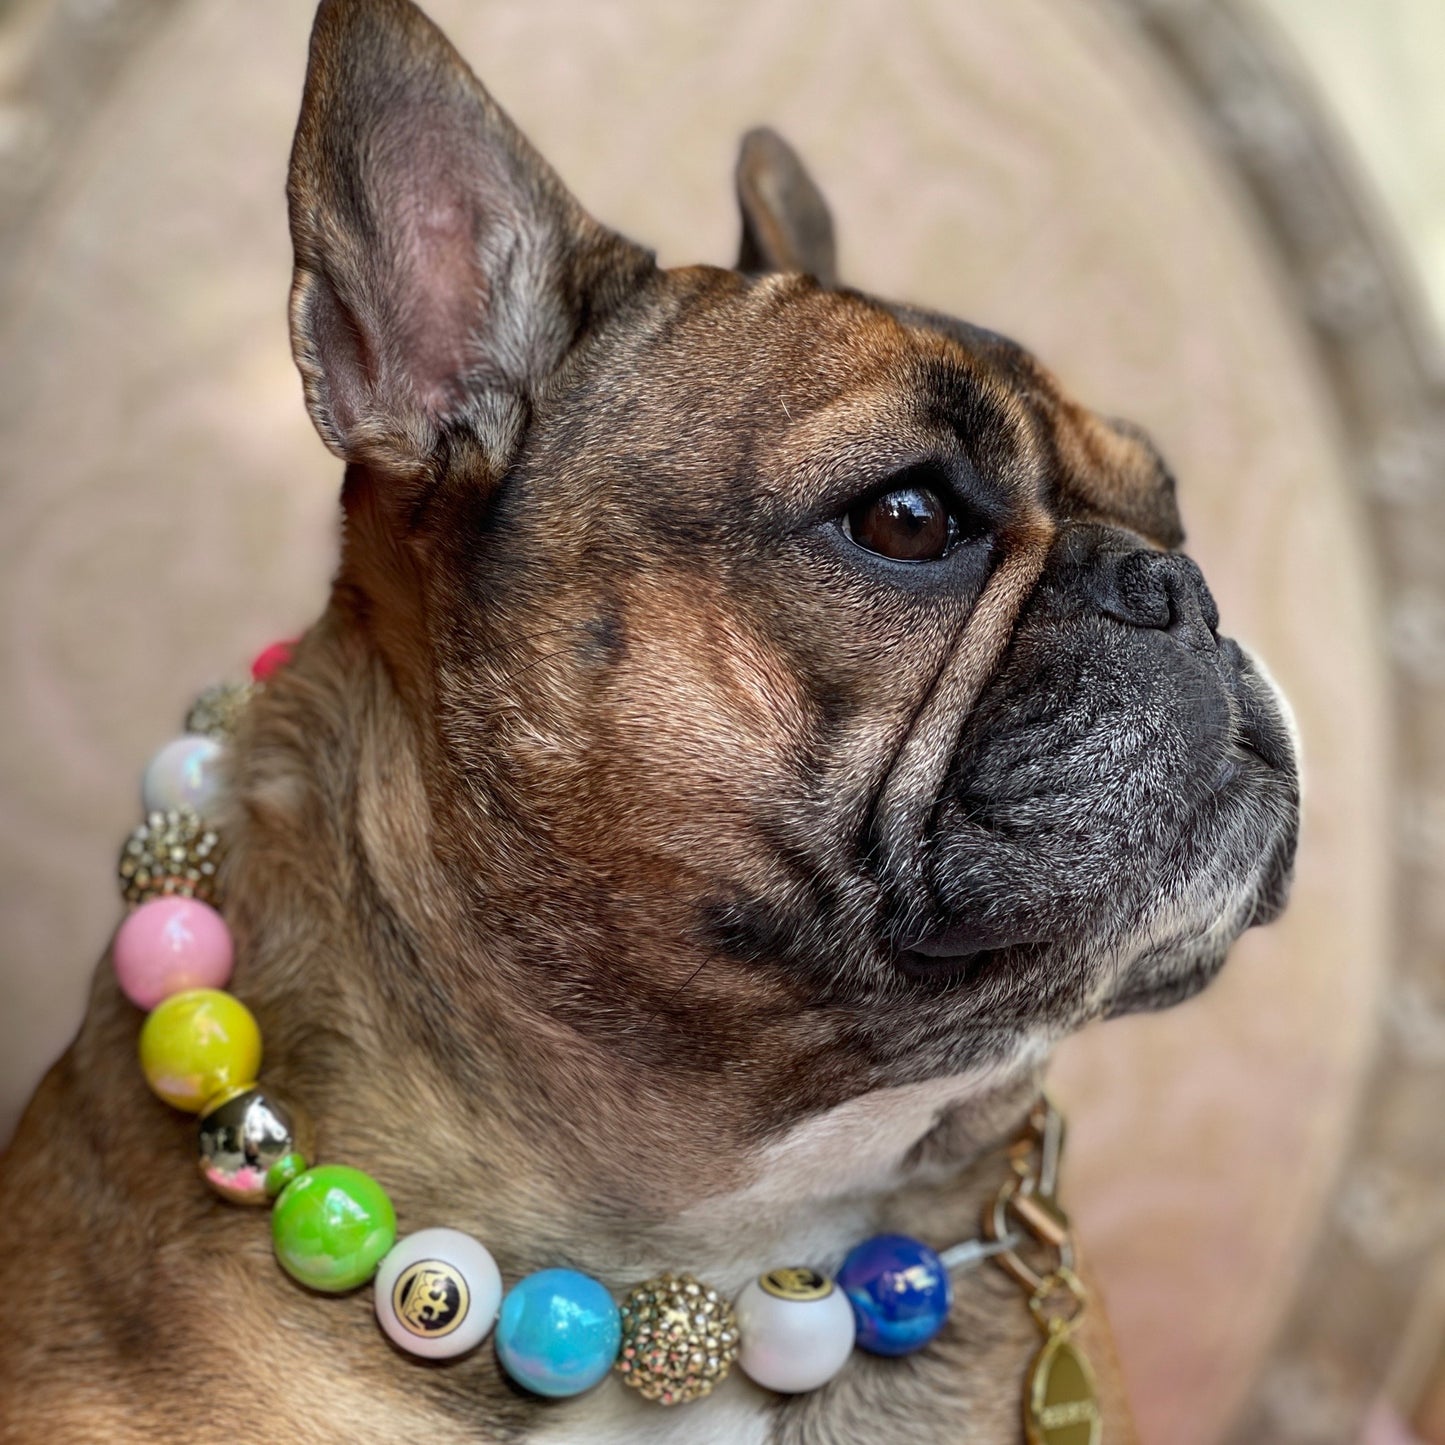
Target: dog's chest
843	1161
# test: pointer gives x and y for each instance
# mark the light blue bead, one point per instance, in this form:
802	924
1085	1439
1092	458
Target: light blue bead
558	1332
900	1292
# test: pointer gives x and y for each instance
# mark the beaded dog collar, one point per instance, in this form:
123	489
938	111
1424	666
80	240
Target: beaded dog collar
438	1292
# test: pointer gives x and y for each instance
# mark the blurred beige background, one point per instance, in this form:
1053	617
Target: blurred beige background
1045	167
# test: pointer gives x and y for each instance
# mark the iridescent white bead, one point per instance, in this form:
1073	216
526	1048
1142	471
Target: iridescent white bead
184	774
797	1330
437	1293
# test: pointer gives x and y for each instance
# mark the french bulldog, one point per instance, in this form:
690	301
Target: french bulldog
752	723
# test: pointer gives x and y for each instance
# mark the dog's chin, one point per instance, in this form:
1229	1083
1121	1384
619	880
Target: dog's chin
1171	974
1168	974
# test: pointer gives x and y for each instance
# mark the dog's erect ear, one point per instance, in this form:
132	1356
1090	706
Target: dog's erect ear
438	257
786	225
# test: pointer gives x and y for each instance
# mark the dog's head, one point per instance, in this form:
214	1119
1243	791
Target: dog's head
810	694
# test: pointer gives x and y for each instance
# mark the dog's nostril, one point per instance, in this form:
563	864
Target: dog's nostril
1195	616
1162	591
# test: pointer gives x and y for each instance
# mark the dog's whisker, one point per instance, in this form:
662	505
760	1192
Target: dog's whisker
500	684
687	983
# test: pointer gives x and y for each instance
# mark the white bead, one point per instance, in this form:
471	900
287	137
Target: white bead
437	1293
184	774
796	1344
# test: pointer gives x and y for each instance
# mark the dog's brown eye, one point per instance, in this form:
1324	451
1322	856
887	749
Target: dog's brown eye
909	525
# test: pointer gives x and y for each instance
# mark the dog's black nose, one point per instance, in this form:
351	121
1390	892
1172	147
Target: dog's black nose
1164	590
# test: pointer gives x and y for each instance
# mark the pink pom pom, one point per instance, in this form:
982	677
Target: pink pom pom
271	658
169	945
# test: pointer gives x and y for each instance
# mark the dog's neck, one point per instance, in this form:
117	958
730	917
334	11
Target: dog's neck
385	995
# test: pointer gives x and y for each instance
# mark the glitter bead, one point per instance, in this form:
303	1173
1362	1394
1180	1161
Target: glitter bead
216	712
331	1227
437	1293
243	1135
186	773
170	853
679	1339
197	1044
900	1293
169	945
558	1332
797	1330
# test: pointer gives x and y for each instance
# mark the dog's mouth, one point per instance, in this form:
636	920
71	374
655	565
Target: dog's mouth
964	954
961	970
983	953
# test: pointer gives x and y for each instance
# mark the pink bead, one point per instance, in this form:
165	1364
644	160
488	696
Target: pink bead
168	945
273	657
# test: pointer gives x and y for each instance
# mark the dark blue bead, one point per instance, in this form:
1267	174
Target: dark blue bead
900	1293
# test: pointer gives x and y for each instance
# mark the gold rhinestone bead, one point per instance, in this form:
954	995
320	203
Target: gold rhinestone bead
679	1339
170	853
215	713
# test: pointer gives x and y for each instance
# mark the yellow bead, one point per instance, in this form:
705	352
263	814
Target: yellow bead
198	1043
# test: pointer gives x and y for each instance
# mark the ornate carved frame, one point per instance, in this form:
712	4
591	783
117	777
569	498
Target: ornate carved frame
1361	1320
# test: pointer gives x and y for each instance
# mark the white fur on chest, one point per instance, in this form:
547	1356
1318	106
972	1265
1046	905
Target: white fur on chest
816	1190
736	1413
814	1194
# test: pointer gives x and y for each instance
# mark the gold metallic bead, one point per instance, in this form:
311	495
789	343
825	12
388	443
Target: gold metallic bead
243	1134
679	1339
215	713
170	853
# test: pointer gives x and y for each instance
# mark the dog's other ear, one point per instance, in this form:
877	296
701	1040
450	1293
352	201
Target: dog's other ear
786	225
439	260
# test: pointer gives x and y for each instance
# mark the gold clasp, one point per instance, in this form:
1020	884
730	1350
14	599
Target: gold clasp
1026	1205
1032	1236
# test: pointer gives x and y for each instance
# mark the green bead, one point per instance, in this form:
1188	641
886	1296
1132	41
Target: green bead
283	1171
331	1226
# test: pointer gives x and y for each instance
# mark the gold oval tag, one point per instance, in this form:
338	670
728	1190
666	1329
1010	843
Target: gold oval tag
431	1298
1061	1406
796	1284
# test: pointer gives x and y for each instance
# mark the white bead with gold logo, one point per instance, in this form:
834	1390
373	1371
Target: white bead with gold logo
797	1330
437	1293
